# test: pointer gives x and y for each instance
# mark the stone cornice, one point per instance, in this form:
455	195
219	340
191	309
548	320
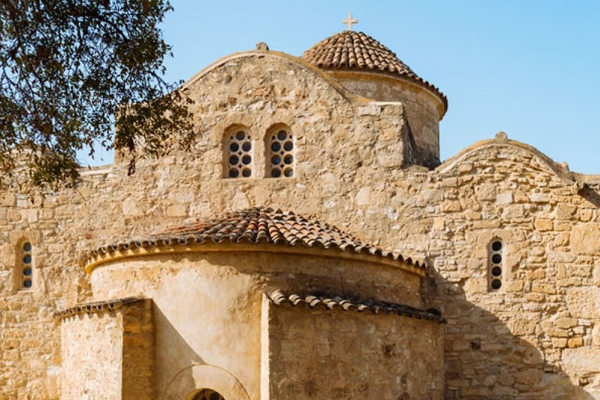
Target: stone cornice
99	259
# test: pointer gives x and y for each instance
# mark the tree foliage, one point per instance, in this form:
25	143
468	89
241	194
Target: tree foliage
72	70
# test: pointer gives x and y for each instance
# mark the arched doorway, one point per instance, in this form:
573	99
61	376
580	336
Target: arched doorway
207	381
207	394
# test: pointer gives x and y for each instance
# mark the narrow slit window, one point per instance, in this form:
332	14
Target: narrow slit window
496	265
281	158
26	265
238	154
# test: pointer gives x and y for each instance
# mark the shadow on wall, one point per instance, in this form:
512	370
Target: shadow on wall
484	360
172	350
590	195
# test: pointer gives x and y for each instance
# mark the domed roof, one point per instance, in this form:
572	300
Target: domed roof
352	50
254	225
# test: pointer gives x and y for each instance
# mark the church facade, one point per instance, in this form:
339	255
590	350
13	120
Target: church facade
311	245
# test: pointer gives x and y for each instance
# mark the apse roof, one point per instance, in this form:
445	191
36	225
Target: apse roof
257	226
328	302
352	50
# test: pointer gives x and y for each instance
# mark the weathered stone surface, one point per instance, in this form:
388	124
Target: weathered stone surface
584	302
537	336
582	360
585	239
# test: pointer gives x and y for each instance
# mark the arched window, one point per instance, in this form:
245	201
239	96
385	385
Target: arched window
280	153
207	394
496	264
25	264
238	153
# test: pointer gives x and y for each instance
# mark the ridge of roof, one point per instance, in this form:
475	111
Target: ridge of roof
257	225
353	50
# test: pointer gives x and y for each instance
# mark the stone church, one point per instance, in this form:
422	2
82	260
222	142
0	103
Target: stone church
312	245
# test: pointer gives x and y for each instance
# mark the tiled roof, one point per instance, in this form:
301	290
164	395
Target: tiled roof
329	303
259	225
357	50
91	308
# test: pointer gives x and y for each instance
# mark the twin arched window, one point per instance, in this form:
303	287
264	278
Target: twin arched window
239	157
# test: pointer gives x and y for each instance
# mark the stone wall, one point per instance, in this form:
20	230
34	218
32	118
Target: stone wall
107	351
92	357
334	354
208	303
537	337
424	110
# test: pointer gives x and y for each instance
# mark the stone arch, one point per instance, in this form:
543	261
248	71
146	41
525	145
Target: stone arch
276	56
478	150
191	380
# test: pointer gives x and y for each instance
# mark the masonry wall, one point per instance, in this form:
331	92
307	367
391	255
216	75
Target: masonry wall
538	337
334	354
92	356
108	353
207	306
423	109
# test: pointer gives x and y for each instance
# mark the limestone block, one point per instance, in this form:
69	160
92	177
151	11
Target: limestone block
240	201
585	239
451	206
565	323
520	327
363	197
539	197
565	211
586	215
529	377
438	224
584	302
575	342
582	360
543	224
596	335
177	210
370	109
486	192
504	198
559	343
130	207
513	212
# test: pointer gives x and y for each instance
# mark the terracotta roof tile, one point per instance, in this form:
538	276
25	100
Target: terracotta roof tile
258	225
97	307
357	50
336	302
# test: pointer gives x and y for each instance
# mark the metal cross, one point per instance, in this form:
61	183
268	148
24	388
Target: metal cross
350	21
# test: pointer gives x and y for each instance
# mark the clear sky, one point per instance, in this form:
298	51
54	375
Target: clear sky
529	68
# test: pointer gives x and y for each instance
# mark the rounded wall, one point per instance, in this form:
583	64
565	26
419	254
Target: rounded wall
207	306
424	109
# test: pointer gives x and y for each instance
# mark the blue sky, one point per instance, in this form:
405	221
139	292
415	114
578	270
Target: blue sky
529	68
